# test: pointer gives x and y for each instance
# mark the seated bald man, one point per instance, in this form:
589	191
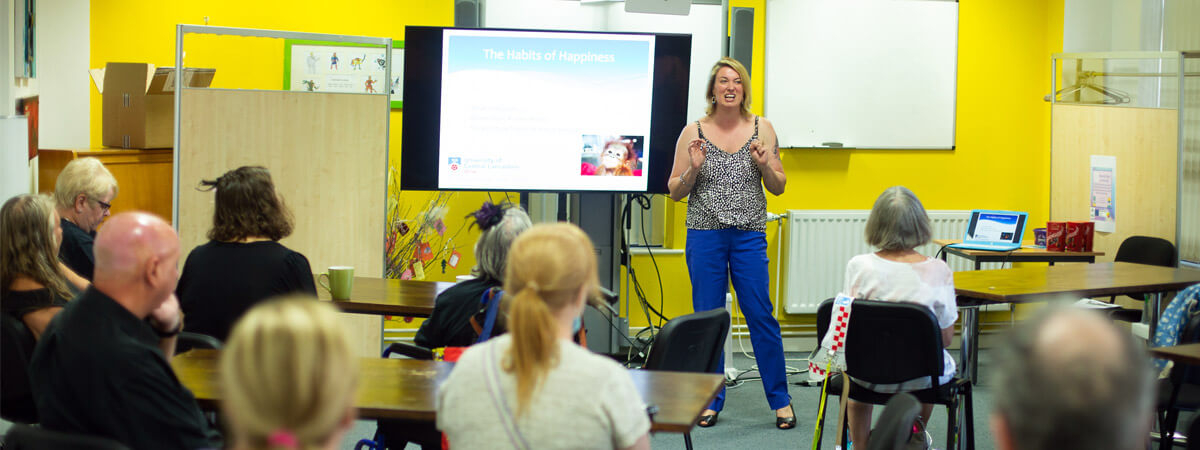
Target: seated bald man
102	367
1072	380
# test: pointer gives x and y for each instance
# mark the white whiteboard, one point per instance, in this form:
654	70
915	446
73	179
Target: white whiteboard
866	73
704	24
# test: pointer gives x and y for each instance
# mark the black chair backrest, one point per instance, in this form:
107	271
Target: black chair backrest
189	341
894	425
691	343
1147	250
889	342
25	437
16	347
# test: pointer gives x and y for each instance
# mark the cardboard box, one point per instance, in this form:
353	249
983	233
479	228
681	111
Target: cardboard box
1056	234
139	102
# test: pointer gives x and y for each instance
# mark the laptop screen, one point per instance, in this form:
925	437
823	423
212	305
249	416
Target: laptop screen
996	226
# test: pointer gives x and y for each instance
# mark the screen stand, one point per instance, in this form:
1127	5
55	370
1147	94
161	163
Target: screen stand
598	214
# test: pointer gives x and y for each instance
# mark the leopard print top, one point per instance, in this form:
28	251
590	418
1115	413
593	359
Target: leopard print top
728	191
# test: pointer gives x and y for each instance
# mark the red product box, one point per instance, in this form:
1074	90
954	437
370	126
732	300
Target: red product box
1087	232
1056	234
1074	242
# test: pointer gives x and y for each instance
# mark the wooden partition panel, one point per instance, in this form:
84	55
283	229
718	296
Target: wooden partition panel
327	154
1144	142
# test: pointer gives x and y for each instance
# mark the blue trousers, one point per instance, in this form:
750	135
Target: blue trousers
715	256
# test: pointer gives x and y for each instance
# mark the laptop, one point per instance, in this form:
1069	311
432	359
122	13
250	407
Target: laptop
999	231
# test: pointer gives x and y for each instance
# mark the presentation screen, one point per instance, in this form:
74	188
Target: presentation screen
541	110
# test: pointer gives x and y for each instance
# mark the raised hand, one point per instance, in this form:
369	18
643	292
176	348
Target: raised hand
760	154
697	153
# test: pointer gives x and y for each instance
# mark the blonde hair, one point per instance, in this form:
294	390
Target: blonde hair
86	176
289	369
712	79
898	221
547	267
27	244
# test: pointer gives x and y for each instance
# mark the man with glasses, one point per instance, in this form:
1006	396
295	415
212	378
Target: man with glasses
83	195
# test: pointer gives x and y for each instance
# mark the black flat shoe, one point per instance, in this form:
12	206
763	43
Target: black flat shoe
786	423
708	420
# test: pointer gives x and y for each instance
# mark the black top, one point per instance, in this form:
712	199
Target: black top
98	370
20	303
222	280
76	249
449	325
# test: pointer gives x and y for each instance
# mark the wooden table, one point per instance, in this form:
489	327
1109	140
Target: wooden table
389	297
406	388
1069	282
1186	353
1022	254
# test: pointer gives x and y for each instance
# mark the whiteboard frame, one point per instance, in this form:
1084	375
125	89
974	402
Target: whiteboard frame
773	18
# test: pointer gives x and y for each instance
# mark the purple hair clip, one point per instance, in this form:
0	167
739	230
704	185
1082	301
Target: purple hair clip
489	215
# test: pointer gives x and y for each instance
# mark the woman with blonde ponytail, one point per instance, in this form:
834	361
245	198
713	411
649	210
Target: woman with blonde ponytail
534	387
289	377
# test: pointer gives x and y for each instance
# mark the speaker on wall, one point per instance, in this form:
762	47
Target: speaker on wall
741	36
468	14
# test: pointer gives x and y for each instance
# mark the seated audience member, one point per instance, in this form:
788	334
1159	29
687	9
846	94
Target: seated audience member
83	194
243	262
534	387
34	284
1072	380
449	324
897	273
103	365
289	377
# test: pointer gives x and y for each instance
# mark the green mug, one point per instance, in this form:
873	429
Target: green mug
339	280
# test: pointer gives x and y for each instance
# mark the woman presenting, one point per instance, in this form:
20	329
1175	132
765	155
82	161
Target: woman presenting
722	163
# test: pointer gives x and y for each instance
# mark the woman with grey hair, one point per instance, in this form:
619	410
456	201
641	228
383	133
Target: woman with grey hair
449	324
83	195
897	273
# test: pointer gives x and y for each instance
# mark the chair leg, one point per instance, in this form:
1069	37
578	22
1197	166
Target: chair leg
1166	437
952	425
969	426
1166	429
687	440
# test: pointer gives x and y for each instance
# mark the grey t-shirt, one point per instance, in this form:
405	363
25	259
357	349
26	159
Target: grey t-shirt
585	401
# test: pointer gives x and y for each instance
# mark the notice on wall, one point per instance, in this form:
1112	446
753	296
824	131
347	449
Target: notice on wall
1104	193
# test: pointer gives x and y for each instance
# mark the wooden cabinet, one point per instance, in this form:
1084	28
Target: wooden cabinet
143	176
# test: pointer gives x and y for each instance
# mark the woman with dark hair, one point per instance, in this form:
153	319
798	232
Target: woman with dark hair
243	262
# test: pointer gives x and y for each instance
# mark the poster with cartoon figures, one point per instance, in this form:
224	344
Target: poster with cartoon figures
329	67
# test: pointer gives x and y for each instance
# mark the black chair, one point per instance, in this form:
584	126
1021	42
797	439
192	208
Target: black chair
690	343
1142	250
16	348
1194	430
894	426
890	343
25	437
1180	391
189	341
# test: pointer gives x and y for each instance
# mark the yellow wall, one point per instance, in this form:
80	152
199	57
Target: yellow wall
1002	131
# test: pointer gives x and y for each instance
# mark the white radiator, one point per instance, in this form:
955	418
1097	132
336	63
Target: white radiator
820	242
